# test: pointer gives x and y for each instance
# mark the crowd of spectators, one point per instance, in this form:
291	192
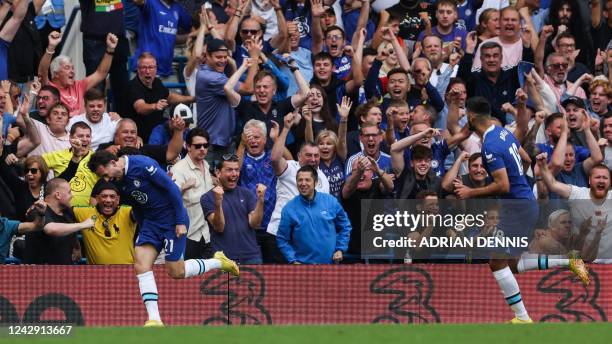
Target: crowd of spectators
294	111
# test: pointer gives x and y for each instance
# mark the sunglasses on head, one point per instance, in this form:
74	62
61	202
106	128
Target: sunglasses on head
200	145
229	157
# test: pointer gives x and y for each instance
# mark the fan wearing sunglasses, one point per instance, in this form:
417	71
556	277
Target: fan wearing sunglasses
109	239
250	29
191	174
108	229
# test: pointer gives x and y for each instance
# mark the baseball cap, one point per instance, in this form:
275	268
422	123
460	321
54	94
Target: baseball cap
579	102
183	111
215	44
102	185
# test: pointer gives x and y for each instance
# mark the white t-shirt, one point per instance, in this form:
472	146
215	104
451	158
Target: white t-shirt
190	81
581	207
49	142
269	15
101	132
286	190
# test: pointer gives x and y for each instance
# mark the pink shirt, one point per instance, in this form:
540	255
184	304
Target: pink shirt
559	90
73	96
512	54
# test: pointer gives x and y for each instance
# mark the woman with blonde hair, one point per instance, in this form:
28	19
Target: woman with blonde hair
488	25
332	149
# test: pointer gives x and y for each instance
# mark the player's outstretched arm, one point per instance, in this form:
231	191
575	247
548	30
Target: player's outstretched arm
500	185
163	181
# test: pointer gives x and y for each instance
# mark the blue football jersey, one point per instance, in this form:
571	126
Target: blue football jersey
155	194
500	149
159	25
342	66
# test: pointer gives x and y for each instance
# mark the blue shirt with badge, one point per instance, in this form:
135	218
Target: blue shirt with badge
384	162
342	67
500	149
158	27
155	195
335	175
299	14
439	152
466	14
258	170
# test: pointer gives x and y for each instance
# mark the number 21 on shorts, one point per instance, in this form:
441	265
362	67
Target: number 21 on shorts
169	246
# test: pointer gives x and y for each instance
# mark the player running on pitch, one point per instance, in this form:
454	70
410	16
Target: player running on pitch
163	222
501	154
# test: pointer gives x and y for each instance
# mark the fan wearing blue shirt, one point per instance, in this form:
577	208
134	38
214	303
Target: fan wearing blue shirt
163	223
503	160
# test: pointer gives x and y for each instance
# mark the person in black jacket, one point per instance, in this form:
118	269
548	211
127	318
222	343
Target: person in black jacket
418	176
491	82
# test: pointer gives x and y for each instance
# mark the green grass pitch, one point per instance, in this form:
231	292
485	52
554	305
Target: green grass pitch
338	334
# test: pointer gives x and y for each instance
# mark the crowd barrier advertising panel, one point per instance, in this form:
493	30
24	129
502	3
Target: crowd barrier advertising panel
332	294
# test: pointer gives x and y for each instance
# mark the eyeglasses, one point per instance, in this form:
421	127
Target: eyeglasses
334	37
200	145
229	157
45	98
147	67
246	32
567	45
32	170
558	65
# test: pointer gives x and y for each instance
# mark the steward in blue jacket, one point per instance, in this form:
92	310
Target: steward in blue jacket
314	228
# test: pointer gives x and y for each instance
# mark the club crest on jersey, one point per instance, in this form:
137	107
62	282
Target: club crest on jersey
139	196
137	183
151	169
